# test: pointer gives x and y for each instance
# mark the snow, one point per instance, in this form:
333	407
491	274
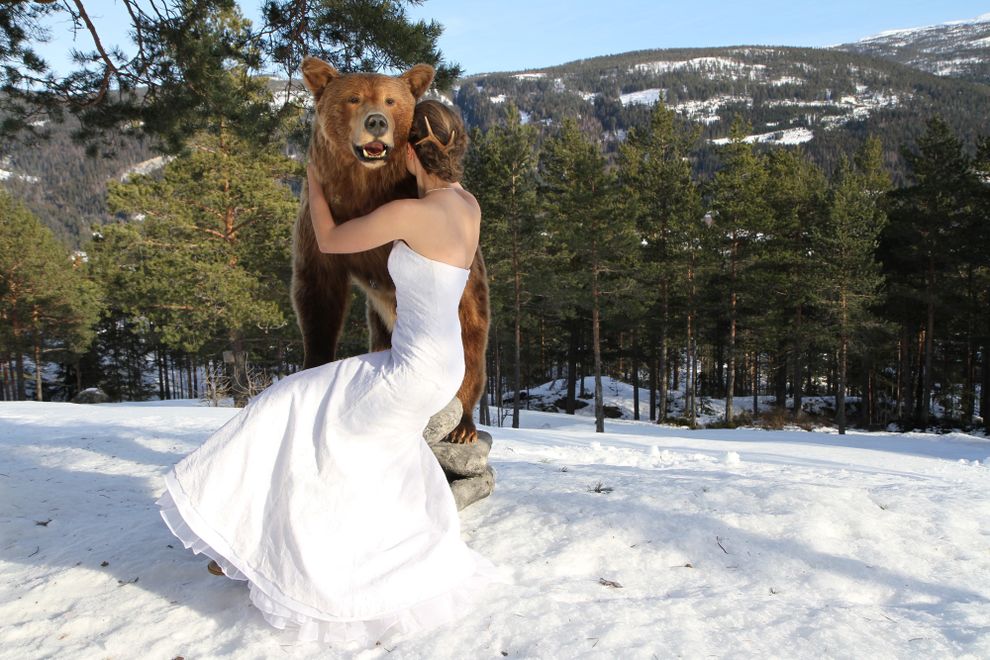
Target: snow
720	542
957	65
146	167
786	80
497	99
7	174
643	97
789	136
906	32
289	95
529	76
706	111
720	67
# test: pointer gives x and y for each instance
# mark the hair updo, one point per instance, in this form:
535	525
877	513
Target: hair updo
439	139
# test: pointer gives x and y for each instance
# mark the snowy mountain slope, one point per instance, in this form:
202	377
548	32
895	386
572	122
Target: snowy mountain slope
826	100
725	543
958	49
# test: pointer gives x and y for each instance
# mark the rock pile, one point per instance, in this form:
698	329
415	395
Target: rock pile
91	395
470	476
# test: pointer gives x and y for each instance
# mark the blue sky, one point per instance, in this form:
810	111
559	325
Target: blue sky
508	35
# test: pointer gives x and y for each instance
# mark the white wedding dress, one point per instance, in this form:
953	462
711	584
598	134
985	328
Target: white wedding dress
323	494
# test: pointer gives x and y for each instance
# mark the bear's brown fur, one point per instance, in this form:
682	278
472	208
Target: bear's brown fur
358	145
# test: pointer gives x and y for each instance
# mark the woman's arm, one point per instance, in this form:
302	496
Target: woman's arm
383	225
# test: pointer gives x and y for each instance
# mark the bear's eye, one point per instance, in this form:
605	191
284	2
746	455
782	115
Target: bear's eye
353	100
389	101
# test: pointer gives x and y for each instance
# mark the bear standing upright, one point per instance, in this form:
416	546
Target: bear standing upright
360	131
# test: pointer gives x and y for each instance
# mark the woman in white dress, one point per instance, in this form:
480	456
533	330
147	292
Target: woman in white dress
322	493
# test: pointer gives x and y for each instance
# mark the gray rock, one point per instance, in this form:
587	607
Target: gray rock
443	422
466	465
470	490
464	460
91	395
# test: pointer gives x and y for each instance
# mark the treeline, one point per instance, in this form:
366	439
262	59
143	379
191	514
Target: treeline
791	89
774	277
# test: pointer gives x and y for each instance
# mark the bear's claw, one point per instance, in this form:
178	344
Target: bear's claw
465	432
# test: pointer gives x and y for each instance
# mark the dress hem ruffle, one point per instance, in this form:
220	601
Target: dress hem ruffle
308	624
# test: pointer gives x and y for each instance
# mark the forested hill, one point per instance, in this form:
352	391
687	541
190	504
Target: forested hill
959	49
826	100
62	185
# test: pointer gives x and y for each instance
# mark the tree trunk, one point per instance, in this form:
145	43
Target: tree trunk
720	365
840	390
730	386
689	371
662	368
903	386
985	387
653	389
4	382
969	381
926	388
798	368
238	371
635	376
756	384
189	377
780	381
498	380
597	348
571	368
516	353
38	386
21	386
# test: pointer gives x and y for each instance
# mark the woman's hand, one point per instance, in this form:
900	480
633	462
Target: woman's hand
384	224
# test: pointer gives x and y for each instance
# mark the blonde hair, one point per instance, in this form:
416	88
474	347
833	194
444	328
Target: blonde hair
439	139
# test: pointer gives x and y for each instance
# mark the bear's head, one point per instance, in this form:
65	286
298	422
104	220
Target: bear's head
367	115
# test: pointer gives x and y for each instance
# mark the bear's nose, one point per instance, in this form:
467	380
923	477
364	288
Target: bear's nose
376	124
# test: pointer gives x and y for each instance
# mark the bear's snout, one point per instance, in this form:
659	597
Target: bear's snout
376	124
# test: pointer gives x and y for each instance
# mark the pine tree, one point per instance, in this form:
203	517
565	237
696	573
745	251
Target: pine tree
207	254
924	239
740	212
846	245
501	173
47	304
175	82
664	202
786	269
584	217
979	236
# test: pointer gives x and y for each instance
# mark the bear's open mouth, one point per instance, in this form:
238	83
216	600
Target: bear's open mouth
372	151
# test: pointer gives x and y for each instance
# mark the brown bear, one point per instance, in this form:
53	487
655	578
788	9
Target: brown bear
360	130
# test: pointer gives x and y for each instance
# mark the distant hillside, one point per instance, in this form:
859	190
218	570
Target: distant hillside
61	184
826	100
959	49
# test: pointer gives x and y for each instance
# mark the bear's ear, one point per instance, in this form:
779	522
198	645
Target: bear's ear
419	78
316	75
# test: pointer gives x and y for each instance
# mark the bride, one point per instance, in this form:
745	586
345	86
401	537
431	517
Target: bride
322	493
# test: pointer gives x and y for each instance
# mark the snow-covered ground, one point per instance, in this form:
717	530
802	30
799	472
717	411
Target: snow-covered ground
642	542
